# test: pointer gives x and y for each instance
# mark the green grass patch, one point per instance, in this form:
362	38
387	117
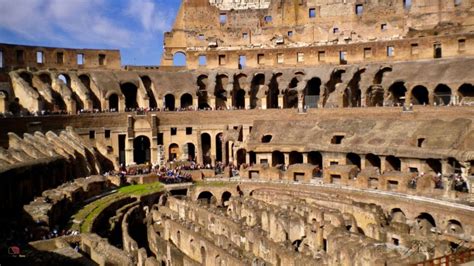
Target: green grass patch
87	214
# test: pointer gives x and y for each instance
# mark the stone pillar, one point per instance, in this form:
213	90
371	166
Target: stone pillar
231	152
287	158
280	101
160	103
382	164
212	102
247	158
264	103
300	100
196	103
305	157
247	102
177	103
213	148
3	103
224	152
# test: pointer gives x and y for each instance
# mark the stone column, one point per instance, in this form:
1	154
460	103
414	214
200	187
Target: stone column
177	103
287	158
305	157
264	103
280	101
247	102
213	148
300	100
196	103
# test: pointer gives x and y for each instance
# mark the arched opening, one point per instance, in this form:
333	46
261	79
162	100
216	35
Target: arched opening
113	102
129	90
225	197
278	158
169	102
434	165
173	152
312	93
206	148
186	101
290	99
86	81
148	84
241	157
336	78
426	219
27	77
62	77
179	59
393	163
252	157
190	150
219	139
379	76
466	91
442	95
373	160
220	91
202	92
454	227
315	158
353	94
397	93
374	96
205	197
397	215
295	157
257	82
273	91
238	92
353	159
420	96
141	150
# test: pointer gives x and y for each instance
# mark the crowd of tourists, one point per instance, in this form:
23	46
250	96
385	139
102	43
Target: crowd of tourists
458	183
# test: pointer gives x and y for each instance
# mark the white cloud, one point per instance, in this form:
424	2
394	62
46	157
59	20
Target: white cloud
153	15
64	21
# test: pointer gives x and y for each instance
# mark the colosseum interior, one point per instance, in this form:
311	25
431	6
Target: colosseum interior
299	132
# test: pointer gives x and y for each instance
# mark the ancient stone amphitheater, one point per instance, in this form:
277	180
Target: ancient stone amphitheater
314	133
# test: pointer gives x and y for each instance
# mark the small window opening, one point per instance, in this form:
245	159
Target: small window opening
395	241
461	45
173	131
267	138
159	139
337	139
201	37
189	131
39	57
245	35
420	142
321	56
383	26
260	59
60	58
223	18
102	61
359	9
437	50
342	57
300	57
312	13
202	60
280	58
92	134
414	48
20	59
268	19
242	61
334	163
107	134
222	60
367	52
413	169
335	30
406	4
390	51
290	33
457	2
80	59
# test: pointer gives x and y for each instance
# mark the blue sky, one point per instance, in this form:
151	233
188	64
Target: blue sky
135	27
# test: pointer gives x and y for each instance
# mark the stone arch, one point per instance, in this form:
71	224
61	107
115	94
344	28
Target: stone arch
315	158
148	84
424	216
442	95
290	99
202	93
113	101
454	227
295	157
278	158
466	90
420	95
86	81
353	93
179	58
205	196
141	150
27	77
62	77
130	90
257	82
186	100
435	165
241	157
219	152
378	78
397	92
392	163
373	160
397	215
225	197
173	151
238	91
206	148
169	102
354	159
273	91
190	150
312	92
336	77
374	96
220	91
